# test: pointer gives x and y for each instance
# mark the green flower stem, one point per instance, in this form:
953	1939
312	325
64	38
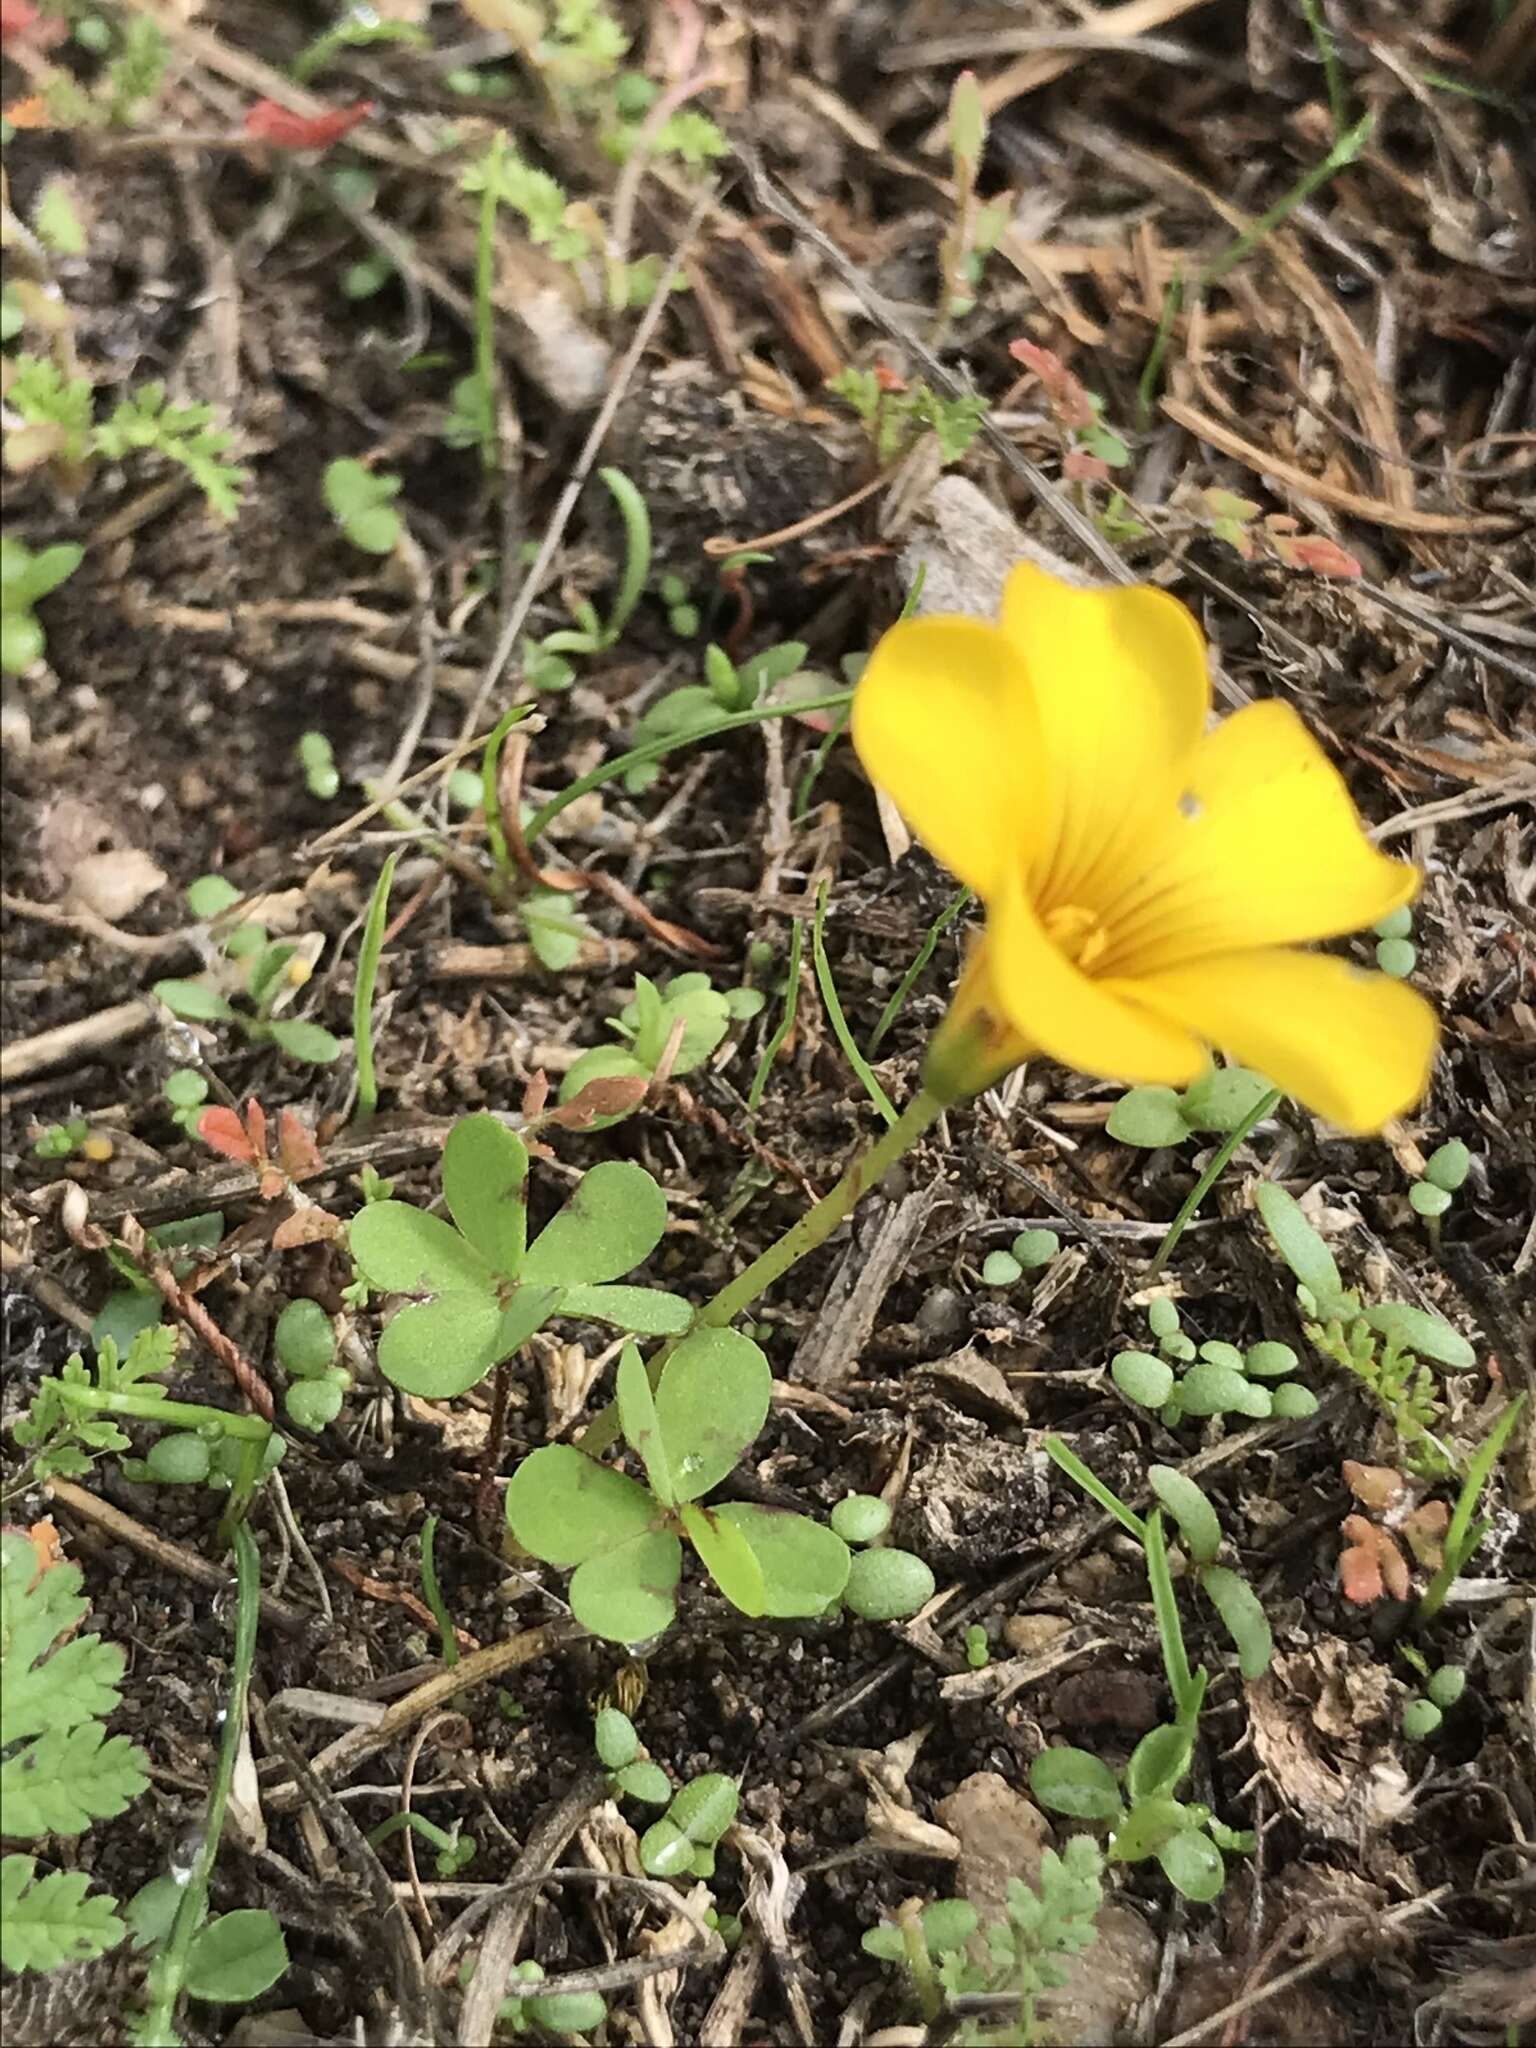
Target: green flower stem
1264	1107
369	952
813	1229
819	1222
169	1970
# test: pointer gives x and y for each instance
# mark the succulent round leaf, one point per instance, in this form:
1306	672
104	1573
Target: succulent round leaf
1421	1719
1150	1117
1075	1782
1293	1402
887	1585
1193	1865
712	1400
861	1517
1268	1360
1222	1099
1146	1380
565	1507
315	1404
485	1184
1448	1165
613	1220
1425	1199
304	1339
1190	1508
645	1781
1446	1686
630	1592
804	1564
180	1459
1210	1389
728	1558
614	1738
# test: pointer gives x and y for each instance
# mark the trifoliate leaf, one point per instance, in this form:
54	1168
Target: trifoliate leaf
485	1184
612	1222
712	1401
804	1565
629	1593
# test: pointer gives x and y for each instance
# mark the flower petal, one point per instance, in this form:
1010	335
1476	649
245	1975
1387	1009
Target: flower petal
1120	683
944	723
1079	1022
1354	1046
1265	848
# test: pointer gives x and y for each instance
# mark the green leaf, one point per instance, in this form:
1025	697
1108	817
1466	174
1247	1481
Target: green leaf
67	1778
614	1738
1160	1761
79	1683
235	1958
1211	1389
401	1250
1223	1098
645	1781
1146	1380
565	1507
1414	1329
665	1851
705	1807
614	1220
1149	1117
211	894
887	1585
712	1401
1448	1166
485	1184
304	1339
628	1593
1190	1508
1149	1824
302	1040
803	1563
190	999
1076	1783
1299	1244
48	1921
437	1349
152	1910
315	1404
1192	1864
648	1311
728	1558
530	1309
1242	1617
642	1430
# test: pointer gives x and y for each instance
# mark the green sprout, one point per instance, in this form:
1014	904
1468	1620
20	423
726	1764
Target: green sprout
479	1289
318	761
896	416
269	974
630	1775
359	500
682	1842
625	1539
304	1342
1219	1102
694	709
1030	1252
1218	1378
1445	1171
454	1852
688	1009
25	578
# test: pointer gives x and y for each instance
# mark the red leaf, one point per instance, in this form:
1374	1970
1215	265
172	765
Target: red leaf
21	22
1377	1486
223	1130
273	1183
1069	400
1323	557
256	1125
1080	467
268	122
889	379
296	1147
306	1226
1359	1567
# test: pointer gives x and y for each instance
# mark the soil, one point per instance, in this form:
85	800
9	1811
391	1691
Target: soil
1389	1895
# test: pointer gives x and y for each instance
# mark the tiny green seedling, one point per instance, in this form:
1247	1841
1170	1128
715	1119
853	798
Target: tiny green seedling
896	414
695	709
304	1341
360	500
26	578
265	974
682	1843
1424	1714
1396	954
626	1539
884	1583
186	1090
480	1289
61	1141
322	778
1217	1103
1218	1378
687	1016
682	613
453	1852
1445	1171
1389	1347
1030	1252
630	1775
137	1303
555	2012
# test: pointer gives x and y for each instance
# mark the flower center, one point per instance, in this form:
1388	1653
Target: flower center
1077	933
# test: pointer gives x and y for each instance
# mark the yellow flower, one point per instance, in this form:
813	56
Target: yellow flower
1146	882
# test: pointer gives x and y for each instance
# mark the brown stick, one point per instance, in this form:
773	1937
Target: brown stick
189	1310
66	1043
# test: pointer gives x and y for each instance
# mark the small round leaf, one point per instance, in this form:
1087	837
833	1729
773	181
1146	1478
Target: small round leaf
1149	1117
861	1518
629	1593
712	1401
1448	1165
1075	1782
614	1739
237	1957
1425	1199
645	1781
887	1585
1208	1389
1269	1361
1192	1864
612	1222
1146	1380
705	1807
565	1507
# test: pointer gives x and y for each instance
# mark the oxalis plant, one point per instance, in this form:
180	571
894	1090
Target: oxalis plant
626	1539
479	1289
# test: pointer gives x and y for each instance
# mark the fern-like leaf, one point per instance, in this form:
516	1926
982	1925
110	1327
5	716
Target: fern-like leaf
66	1779
48	1921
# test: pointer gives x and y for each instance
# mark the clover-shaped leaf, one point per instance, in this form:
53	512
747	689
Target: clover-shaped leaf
613	1220
566	1508
485	1183
728	1558
401	1250
1160	1761
629	1592
804	1564
712	1401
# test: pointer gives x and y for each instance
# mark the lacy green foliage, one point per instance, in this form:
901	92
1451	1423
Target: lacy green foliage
1217	1102
481	1290
896	417
59	1769
1026	1950
132	76
64	1429
57	415
625	1539
359	499
648	1024
1389	1346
